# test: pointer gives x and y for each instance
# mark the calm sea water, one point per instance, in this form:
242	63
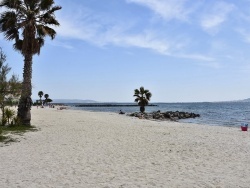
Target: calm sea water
220	113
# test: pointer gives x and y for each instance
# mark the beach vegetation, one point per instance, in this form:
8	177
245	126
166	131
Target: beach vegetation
9	114
49	100
7	131
27	23
45	101
142	97
10	89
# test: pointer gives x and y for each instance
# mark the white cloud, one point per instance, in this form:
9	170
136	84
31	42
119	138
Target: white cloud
198	57
61	44
72	29
118	35
167	9
213	18
143	41
100	30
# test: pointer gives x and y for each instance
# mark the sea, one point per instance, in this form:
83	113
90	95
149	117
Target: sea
231	114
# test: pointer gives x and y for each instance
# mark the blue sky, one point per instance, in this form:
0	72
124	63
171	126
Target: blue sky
181	50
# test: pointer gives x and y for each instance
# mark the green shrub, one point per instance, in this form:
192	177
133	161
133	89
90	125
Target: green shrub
3	122
16	121
9	114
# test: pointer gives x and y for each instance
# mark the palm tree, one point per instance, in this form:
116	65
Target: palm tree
46	96
40	94
142	97
27	23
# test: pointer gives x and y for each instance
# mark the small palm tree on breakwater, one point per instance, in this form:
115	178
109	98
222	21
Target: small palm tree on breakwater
142	97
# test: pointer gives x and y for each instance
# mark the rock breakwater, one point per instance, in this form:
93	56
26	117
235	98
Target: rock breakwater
169	115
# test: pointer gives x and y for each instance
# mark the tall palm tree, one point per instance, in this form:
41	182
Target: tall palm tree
46	96
142	97
40	94
27	23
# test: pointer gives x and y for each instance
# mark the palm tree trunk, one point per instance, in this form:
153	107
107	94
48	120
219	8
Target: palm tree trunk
142	109
25	101
3	115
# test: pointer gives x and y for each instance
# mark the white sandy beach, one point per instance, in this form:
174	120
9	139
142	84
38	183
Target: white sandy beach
79	149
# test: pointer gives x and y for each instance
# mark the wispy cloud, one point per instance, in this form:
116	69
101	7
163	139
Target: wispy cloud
167	9
101	30
197	57
79	24
117	34
216	16
61	44
146	40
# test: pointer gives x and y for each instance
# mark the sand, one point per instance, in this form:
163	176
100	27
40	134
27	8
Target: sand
80	149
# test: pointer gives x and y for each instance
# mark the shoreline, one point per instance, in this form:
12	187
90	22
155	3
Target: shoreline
178	121
76	148
224	114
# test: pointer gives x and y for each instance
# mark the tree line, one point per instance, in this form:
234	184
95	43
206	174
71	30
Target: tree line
45	101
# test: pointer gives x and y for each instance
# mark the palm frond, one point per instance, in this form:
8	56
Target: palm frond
53	9
8	25
148	96
46	4
49	19
38	44
11	4
49	31
136	91
18	45
8	19
32	4
142	89
137	99
11	34
42	31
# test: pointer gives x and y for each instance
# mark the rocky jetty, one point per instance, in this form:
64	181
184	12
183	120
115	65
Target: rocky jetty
109	105
170	115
